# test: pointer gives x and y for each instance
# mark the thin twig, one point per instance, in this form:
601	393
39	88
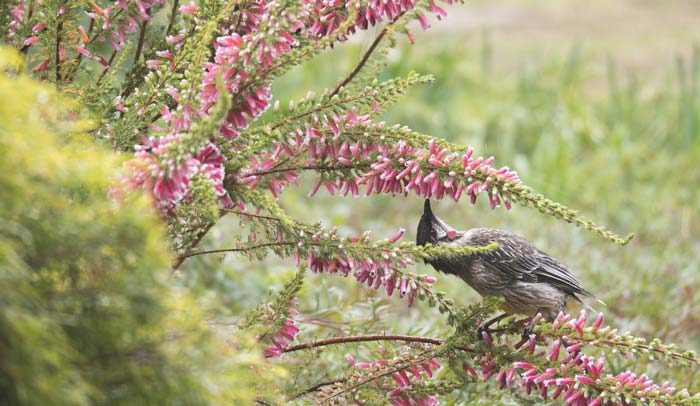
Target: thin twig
365	57
426	356
318	386
139	45
361	64
179	260
257	216
30	11
303	168
365	338
109	65
235	249
59	27
173	14
79	58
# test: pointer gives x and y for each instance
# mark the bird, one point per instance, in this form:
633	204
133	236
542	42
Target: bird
529	280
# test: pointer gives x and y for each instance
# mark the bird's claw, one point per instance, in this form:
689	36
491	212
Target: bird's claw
527	331
480	332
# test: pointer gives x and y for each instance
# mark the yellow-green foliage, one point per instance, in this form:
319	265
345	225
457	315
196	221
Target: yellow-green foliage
87	312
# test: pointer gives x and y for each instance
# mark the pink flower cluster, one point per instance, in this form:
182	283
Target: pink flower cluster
570	375
266	163
403	381
313	141
437	173
432	172
234	53
328	15
288	332
375	270
256	39
158	169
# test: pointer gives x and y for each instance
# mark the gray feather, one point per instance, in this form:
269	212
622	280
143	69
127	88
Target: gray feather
528	279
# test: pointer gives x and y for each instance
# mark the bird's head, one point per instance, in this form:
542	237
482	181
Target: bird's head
433	230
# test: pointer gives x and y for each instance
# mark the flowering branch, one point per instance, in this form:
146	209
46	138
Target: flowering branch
577	378
375	263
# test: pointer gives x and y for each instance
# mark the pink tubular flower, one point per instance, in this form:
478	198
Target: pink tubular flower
153	64
117	24
42	66
190	8
397	236
84	52
38	27
30	41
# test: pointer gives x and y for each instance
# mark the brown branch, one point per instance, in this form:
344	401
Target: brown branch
236	249
139	45
318	386
365	58
173	14
359	339
426	356
79	58
109	65
257	216
303	168
30	11
179	260
59	28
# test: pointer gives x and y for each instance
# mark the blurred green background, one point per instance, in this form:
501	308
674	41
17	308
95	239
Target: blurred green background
596	104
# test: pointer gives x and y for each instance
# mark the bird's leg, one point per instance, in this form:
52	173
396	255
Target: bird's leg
484	327
531	325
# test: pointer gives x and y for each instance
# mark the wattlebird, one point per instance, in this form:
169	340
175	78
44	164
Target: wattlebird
528	280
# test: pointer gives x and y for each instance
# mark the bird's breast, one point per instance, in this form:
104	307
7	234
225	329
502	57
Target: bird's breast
475	274
485	281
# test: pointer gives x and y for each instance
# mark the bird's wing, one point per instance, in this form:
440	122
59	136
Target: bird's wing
556	273
520	260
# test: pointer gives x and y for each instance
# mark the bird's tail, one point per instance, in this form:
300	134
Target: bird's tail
586	305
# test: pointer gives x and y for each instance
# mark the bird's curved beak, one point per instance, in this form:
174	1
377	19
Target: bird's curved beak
442	230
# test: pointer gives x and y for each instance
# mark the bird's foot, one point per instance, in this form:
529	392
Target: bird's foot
530	326
482	332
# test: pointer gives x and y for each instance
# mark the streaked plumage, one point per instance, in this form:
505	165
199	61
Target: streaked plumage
528	279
